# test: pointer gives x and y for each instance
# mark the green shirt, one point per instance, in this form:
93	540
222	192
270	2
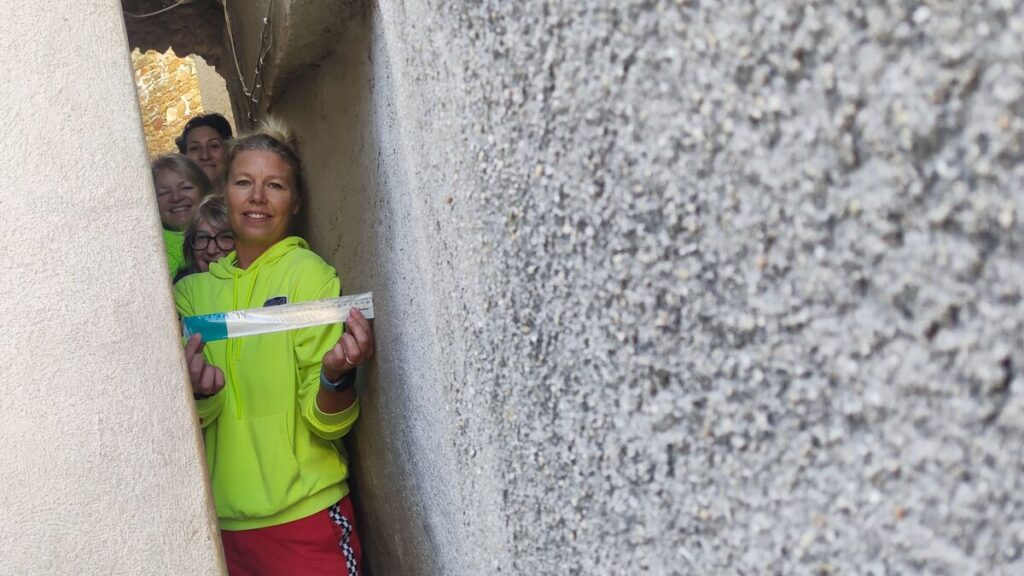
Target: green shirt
174	242
269	448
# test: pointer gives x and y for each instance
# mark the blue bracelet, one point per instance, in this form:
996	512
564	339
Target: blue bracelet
347	380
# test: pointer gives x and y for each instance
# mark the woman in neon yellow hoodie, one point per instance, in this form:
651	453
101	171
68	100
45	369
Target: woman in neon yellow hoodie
271	406
180	185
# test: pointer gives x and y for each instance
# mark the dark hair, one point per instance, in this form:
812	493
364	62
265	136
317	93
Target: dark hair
215	121
271	136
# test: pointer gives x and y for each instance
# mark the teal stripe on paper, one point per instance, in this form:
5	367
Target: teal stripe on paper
211	327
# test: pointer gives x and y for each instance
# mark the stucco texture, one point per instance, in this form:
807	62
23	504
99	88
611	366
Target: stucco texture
681	287
213	90
101	467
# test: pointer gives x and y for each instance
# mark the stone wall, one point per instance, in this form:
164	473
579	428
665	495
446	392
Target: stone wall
168	90
194	27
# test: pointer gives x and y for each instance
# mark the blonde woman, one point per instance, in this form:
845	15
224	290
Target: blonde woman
272	406
180	185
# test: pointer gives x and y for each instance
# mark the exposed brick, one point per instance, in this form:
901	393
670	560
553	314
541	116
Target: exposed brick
162	80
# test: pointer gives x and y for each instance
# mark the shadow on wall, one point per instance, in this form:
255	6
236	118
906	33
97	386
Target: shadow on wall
360	218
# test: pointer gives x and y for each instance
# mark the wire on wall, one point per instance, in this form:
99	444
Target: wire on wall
255	94
160	11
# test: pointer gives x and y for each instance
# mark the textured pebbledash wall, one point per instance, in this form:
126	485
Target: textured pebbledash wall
676	287
682	287
101	470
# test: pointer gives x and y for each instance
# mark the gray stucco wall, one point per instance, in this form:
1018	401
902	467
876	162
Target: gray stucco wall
681	287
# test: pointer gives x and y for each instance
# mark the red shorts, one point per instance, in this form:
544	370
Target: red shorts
321	544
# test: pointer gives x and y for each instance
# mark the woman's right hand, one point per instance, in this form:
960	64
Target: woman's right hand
206	380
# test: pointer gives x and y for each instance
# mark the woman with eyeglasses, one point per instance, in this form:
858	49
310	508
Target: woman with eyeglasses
180	186
208	237
273	406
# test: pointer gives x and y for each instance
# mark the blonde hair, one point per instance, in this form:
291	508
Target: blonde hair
272	136
186	168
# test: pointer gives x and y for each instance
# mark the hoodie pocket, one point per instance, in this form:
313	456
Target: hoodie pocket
255	474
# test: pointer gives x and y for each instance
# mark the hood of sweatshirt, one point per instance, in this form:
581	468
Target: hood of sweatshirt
243	282
244	279
270	454
227	267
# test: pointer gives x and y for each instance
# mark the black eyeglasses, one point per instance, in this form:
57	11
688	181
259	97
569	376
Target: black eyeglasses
225	241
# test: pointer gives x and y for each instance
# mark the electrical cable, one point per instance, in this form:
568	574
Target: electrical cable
160	11
252	98
234	55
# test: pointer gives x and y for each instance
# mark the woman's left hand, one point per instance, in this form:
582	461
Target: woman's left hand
354	348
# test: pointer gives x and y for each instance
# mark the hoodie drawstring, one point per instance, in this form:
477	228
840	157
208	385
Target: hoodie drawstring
251	276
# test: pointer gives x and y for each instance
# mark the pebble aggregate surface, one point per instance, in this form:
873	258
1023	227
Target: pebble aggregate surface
740	282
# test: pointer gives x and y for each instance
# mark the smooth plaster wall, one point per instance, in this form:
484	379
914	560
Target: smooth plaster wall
214	91
681	287
101	470
412	491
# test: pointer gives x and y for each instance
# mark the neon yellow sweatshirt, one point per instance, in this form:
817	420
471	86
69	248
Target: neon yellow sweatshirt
174	243
269	448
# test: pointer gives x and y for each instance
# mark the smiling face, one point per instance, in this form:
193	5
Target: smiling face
217	245
262	198
205	147
176	197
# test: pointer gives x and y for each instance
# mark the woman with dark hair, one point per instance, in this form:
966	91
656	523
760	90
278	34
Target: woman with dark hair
208	237
180	185
204	140
273	406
